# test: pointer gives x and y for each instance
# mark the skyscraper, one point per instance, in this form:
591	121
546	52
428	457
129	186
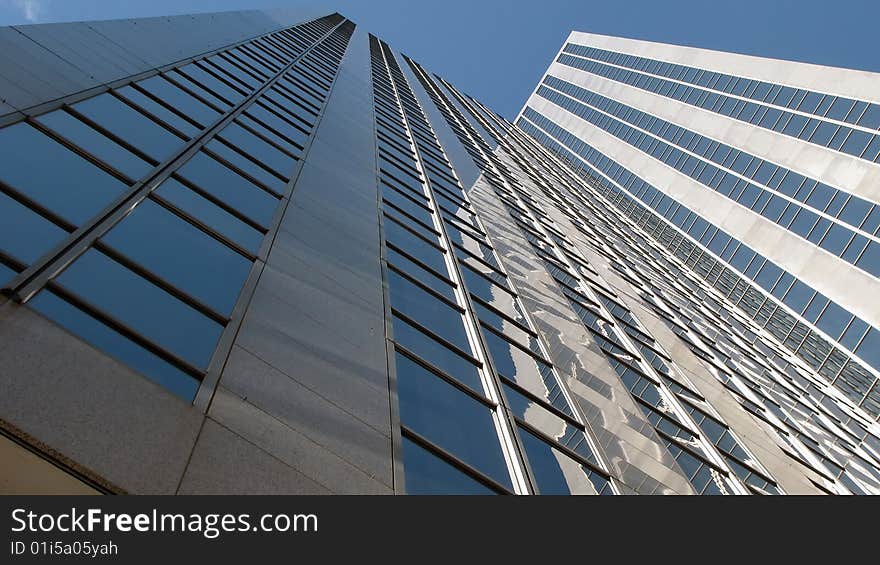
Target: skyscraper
266	252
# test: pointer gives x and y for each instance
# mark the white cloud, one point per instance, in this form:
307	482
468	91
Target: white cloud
30	9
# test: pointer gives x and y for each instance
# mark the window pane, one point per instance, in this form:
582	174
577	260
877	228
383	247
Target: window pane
193	71
100	146
226	152
414	245
427	310
259	149
517	365
428	474
437	354
450	419
180	100
284	128
421	274
211	214
24	234
132	126
230	187
72	187
555	427
182	254
114	344
144	307
555	472
159	111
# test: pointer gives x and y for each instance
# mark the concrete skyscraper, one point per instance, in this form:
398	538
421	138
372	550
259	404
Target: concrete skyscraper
266	252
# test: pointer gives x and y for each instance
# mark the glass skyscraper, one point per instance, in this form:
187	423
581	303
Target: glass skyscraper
266	252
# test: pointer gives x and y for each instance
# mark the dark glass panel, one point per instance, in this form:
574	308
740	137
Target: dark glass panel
72	187
450	419
142	306
182	254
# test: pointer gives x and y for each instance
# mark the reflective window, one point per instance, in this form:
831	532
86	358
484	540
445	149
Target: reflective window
182	254
428	474
230	187
114	344
142	306
212	215
256	147
236	159
158	110
437	354
180	100
100	146
72	187
427	310
194	71
414	245
130	125
555	472
424	276
450	419
24	234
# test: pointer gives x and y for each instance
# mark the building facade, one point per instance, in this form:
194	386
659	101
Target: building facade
275	255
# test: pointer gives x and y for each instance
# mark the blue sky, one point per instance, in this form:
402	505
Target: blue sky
497	50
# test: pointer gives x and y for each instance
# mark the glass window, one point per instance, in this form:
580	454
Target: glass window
95	143
114	344
870	259
449	418
214	96
855	211
255	170
836	239
145	308
183	102
437	354
198	74
824	133
287	130
256	147
132	126
518	365
182	254
212	215
427	310
856	142
555	472
414	245
24	234
406	204
424	276
798	297
428	474
183	126
834	320
230	187
72	187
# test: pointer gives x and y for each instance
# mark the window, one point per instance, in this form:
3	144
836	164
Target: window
72	187
427	310
555	472
142	306
24	234
99	145
426	473
215	217
130	125
182	254
449	418
229	187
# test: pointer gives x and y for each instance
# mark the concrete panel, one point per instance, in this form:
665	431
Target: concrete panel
225	463
276	436
109	422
